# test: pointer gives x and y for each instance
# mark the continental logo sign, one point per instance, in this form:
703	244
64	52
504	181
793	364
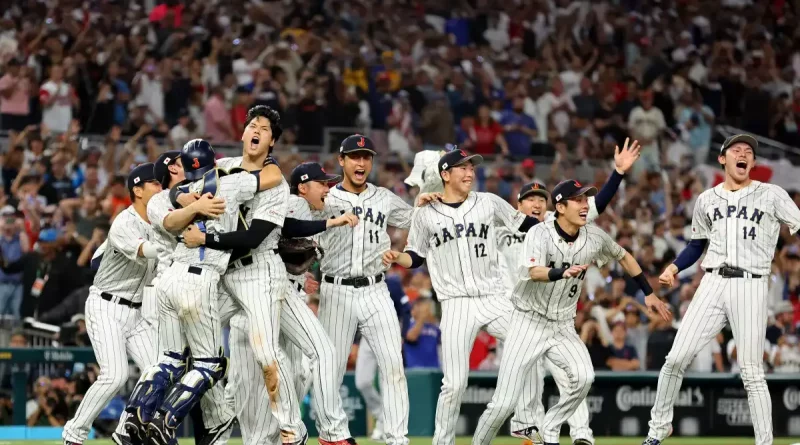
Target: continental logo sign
5	355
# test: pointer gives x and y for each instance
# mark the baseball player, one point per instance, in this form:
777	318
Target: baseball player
298	325
189	307
739	222
113	318
216	417
532	200
457	237
551	269
353	294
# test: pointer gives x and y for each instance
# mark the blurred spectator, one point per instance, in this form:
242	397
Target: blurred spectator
697	120
597	346
785	356
734	360
218	125
659	343
519	129
484	353
423	337
709	358
623	356
47	407
13	244
15	97
646	123
58	98
48	273
782	323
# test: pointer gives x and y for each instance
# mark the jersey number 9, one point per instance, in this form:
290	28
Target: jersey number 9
573	291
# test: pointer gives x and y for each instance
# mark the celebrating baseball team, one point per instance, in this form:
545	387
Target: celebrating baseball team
210	243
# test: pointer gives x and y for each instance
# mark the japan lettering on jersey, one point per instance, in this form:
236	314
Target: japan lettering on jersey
235	190
509	243
158	208
358	251
269	205
460	245
122	272
742	227
543	246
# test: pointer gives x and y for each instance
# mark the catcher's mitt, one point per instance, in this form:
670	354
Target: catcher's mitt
299	254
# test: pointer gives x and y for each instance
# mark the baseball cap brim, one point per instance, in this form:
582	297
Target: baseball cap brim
357	150
745	138
588	191
474	159
328	178
541	192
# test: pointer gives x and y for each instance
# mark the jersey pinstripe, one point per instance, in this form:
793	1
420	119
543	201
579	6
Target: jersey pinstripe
268	205
122	271
358	251
158	208
298	208
543	246
743	226
235	190
460	244
509	244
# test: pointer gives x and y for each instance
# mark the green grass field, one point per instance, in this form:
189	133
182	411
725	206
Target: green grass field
498	441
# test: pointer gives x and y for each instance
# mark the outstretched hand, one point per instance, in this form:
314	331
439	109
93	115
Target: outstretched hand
625	157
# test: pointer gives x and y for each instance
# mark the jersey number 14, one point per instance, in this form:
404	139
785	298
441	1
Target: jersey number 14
749	233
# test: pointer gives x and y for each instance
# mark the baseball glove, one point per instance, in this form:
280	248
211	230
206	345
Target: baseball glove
299	254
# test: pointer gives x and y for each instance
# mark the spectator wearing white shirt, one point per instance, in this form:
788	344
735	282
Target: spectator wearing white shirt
245	67
557	105
646	123
149	91
785	356
180	133
57	98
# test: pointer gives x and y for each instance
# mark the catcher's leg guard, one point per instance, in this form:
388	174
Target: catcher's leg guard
187	392
149	392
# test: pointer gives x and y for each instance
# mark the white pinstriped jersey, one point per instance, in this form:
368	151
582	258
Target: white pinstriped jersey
460	245
235	190
358	251
509	243
123	273
298	208
158	208
269	205
743	226
543	246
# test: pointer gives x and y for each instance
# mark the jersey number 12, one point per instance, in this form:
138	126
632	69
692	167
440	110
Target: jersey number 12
749	233
480	250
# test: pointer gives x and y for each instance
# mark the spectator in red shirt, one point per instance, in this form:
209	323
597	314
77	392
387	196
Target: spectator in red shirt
239	110
483	352
486	134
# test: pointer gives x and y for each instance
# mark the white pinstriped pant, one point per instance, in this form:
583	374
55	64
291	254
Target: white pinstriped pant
366	369
114	329
174	297
531	336
462	319
578	422
742	302
342	310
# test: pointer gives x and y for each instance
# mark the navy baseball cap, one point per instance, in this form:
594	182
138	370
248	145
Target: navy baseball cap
457	157
569	189
356	143
533	188
161	170
140	175
746	138
307	172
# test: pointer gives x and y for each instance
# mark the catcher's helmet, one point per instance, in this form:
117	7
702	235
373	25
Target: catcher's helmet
197	157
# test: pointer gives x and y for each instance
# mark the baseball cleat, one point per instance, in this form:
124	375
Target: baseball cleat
137	432
213	434
530	435
651	441
119	439
348	441
582	442
160	434
67	442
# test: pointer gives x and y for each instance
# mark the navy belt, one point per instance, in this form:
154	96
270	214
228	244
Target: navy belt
108	297
732	272
354	281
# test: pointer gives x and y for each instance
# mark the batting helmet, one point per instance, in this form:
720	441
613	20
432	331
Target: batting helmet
197	157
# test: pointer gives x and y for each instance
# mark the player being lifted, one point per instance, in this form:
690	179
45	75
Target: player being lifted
739	222
550	270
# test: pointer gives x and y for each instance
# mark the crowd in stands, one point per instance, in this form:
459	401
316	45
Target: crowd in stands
517	81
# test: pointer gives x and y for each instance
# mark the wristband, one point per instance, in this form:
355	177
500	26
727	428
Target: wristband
643	284
555	274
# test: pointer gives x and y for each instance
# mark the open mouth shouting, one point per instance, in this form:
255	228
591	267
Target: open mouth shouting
360	174
254	142
741	166
583	214
536	212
